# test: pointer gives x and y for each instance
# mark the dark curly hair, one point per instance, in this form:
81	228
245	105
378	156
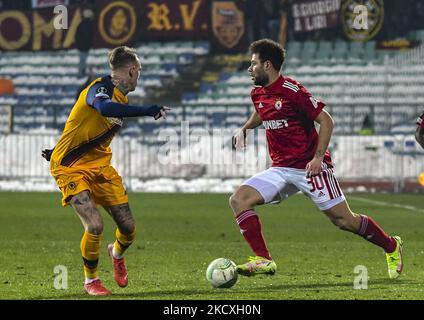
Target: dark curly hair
269	50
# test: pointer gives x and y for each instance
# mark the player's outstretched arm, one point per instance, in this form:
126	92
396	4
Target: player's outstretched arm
108	108
239	139
419	136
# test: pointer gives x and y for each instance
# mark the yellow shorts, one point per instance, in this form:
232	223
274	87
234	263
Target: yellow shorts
104	184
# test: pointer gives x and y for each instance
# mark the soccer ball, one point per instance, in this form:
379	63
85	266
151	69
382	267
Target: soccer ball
221	273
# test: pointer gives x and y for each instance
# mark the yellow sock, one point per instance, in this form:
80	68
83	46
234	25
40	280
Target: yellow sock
90	250
122	242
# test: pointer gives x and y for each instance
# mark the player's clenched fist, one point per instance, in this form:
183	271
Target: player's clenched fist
314	167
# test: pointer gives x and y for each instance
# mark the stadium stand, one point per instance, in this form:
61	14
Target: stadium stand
353	83
46	83
368	91
353	79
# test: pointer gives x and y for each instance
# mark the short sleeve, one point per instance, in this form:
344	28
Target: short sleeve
253	97
98	90
308	104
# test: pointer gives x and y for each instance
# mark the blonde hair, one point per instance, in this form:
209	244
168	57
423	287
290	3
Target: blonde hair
121	57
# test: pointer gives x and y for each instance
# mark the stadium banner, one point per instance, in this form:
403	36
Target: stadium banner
397	44
228	26
174	20
123	22
116	23
34	30
314	15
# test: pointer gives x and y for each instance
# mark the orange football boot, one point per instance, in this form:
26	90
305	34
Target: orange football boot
96	288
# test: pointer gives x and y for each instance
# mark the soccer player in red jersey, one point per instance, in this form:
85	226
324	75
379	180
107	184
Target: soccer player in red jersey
300	162
419	133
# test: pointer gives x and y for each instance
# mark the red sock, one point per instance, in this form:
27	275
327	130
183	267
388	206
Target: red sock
251	229
372	232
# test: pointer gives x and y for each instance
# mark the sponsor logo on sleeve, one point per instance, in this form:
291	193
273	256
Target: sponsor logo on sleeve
314	102
101	92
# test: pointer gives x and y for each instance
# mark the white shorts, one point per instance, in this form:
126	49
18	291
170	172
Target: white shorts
278	183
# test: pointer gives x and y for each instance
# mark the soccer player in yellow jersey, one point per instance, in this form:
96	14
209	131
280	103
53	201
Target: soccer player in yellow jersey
80	164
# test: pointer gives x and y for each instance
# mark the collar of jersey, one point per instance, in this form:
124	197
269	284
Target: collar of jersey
118	94
278	82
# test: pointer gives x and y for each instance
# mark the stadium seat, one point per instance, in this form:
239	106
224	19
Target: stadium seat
294	48
356	50
324	50
340	50
308	52
419	35
369	54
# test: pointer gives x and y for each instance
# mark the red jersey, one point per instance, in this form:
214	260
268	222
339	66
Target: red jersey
420	121
288	112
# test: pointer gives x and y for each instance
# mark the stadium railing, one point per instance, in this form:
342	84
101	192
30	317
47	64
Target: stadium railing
374	162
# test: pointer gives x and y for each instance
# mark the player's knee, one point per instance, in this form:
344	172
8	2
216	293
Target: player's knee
240	202
235	202
231	201
127	228
95	227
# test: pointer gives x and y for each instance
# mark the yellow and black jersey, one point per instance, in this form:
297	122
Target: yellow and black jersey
85	141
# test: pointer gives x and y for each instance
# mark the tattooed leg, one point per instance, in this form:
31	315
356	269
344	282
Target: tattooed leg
125	233
90	242
87	211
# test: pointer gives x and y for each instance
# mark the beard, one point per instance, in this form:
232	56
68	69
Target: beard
261	80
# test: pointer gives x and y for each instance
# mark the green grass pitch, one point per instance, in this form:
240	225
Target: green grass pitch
179	234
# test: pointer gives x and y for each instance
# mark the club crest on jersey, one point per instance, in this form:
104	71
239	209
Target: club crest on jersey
72	185
278	104
260	105
101	90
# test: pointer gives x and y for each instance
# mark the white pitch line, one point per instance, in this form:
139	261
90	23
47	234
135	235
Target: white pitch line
388	204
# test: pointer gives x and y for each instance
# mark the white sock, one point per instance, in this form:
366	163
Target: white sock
115	255
88	280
